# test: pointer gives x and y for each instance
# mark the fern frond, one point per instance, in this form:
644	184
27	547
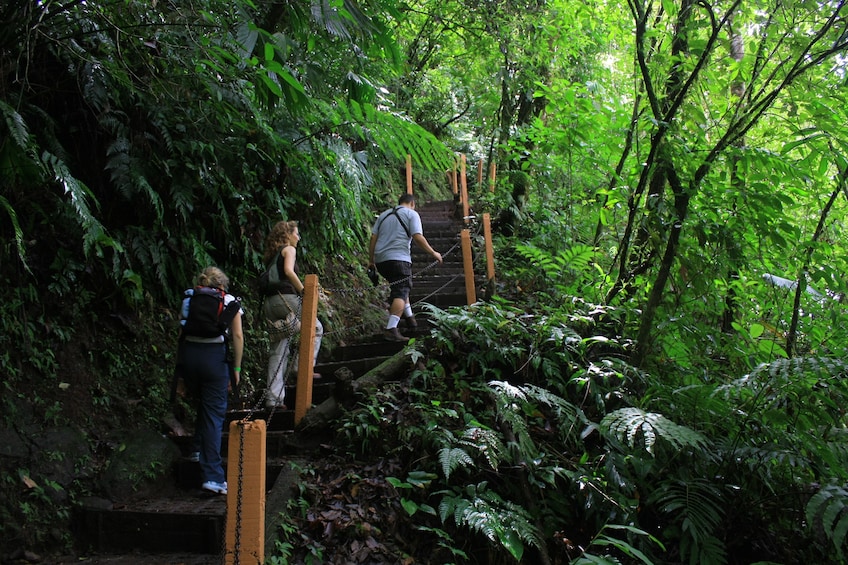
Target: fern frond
564	410
488	443
484	511
828	510
453	458
698	504
629	425
80	199
19	234
787	374
16	125
576	258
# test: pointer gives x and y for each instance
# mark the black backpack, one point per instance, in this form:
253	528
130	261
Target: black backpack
269	281
207	316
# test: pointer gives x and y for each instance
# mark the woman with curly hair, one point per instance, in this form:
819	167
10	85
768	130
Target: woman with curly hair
280	301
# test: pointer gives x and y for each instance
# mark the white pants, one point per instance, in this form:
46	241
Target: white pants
278	362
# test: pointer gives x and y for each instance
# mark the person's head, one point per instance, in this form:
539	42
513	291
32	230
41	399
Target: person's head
406	200
283	233
213	277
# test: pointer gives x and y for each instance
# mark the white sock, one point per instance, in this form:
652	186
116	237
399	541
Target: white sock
393	321
407	311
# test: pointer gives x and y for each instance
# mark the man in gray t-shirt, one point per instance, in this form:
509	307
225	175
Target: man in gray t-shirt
389	251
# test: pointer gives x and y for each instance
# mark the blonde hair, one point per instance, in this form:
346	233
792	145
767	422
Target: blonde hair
281	235
213	277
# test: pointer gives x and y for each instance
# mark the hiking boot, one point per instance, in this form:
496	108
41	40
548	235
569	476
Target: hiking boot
394	335
411	322
212	486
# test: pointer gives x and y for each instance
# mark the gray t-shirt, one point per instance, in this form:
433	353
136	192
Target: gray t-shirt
393	243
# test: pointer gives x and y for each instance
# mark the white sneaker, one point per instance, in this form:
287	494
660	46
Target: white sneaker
220	488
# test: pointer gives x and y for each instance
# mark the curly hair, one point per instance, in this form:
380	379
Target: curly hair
213	277
280	236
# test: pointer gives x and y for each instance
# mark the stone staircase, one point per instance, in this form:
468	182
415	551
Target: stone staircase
189	521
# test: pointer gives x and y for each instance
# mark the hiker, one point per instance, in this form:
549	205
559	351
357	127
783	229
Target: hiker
281	301
211	320
389	251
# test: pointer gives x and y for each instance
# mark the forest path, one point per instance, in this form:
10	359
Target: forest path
187	525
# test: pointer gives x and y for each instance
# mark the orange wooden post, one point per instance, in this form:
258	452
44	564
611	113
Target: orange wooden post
464	184
408	173
492	170
453	183
245	537
490	253
306	353
468	266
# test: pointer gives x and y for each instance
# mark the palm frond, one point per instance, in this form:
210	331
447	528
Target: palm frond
394	134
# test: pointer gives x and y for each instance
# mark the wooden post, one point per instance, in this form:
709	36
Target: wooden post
463	181
492	170
468	266
452	177
306	353
490	253
408	173
245	537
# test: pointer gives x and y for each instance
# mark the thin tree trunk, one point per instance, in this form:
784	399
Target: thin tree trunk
792	334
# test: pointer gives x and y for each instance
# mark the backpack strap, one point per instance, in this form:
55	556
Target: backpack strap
394	211
227	315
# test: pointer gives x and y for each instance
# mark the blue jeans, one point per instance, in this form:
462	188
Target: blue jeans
207	375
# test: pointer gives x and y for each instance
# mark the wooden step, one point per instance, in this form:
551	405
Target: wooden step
188	520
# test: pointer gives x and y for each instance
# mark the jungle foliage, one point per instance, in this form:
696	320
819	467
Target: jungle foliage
664	368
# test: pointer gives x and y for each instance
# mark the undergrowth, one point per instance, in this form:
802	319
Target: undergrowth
537	439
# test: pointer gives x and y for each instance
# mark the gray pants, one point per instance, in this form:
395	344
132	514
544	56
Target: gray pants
274	308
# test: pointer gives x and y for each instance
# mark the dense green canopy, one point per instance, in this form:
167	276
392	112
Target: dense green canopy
659	164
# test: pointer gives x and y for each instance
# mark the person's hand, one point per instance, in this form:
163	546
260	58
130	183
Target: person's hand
437	256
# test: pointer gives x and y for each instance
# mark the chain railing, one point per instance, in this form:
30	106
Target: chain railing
293	345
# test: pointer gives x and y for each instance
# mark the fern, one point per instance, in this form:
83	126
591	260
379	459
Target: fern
451	458
629	425
482	510
19	234
16	125
827	510
79	197
574	261
698	507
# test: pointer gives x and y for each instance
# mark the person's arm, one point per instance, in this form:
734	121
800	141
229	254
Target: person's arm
371	247
289	256
237	337
421	242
